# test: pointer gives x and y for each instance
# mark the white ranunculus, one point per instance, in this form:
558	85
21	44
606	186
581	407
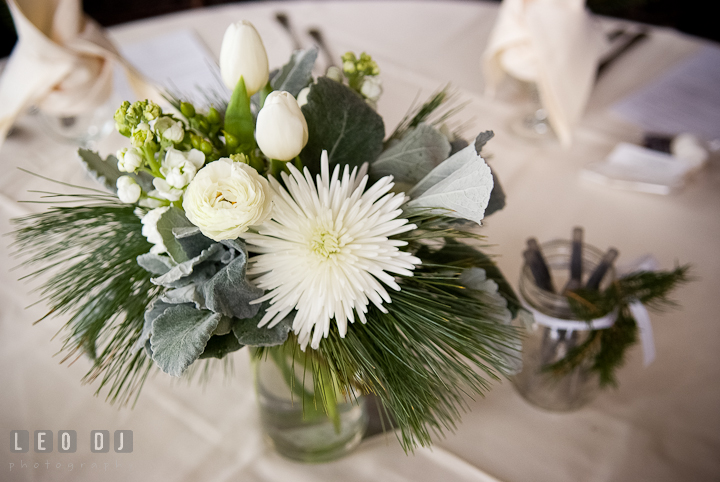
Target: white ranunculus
372	88
128	190
150	231
129	160
243	54
281	130
226	198
180	167
166	191
170	129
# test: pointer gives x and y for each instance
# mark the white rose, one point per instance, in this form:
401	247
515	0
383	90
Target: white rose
150	231
281	130
180	167
128	190
226	198
243	54
129	160
166	191
371	88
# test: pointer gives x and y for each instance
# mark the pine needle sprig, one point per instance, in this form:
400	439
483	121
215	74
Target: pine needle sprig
89	255
436	345
604	351
440	107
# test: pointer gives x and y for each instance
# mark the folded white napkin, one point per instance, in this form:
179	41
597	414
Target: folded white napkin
63	62
554	43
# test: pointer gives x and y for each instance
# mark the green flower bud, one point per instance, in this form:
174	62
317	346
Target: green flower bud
239	158
349	67
187	109
213	116
151	110
206	148
195	141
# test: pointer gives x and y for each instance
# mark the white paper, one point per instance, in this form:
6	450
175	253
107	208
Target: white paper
634	167
177	62
686	99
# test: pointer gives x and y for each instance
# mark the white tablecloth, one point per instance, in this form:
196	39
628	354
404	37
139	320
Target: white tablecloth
662	424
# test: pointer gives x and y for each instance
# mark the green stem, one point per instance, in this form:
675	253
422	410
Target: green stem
298	163
276	167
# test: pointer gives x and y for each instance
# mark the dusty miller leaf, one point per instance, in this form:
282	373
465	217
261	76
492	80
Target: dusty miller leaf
155	263
173	218
104	171
179	336
229	292
297	73
248	333
459	187
191	240
419	151
192	270
220	345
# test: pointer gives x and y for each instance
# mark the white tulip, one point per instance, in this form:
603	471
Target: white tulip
128	190
150	230
281	130
243	54
226	198
129	160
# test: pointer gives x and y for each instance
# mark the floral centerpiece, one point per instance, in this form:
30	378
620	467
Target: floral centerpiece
285	221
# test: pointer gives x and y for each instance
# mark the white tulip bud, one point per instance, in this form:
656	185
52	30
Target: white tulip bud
129	160
281	130
128	190
243	54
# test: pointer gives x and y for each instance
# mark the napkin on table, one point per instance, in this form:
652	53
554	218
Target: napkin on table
554	43
63	62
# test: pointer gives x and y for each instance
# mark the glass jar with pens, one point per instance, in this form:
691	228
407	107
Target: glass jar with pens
551	271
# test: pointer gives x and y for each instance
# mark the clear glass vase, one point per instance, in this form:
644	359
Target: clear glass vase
544	345
296	422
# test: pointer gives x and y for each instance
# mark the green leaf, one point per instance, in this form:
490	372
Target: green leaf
239	121
220	345
419	151
248	333
173	218
179	336
297	73
229	292
340	122
104	171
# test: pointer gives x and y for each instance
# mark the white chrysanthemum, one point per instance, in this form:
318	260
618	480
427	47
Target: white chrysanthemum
326	250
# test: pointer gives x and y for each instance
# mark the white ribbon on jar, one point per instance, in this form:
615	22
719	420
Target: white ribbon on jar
637	310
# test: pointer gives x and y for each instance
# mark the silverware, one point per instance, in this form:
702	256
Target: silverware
284	20
618	52
320	41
